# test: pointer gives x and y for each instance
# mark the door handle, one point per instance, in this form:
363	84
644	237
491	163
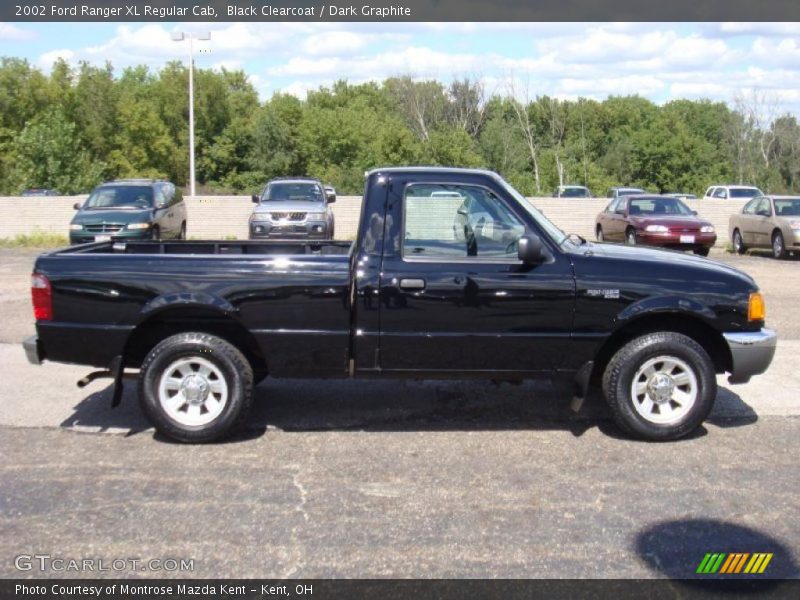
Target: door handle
412	284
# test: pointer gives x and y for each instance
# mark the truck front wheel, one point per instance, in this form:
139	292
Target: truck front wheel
660	386
195	387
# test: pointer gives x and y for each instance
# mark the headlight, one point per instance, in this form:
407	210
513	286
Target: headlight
656	229
138	225
75	227
707	229
315	216
260	216
794	225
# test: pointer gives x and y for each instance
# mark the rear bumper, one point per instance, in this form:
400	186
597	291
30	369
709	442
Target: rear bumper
752	353
33	350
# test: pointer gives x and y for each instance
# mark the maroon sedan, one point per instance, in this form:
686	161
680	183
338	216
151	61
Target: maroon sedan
655	221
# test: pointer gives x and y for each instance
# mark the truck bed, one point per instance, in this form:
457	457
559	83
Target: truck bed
290	298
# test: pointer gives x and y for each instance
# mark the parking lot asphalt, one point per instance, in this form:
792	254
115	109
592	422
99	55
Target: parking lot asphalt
398	479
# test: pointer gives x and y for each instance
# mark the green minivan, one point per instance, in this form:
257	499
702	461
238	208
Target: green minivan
130	209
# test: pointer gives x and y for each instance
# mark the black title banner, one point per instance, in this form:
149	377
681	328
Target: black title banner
387	589
398	10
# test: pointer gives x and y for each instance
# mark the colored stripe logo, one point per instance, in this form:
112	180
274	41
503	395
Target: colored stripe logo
734	563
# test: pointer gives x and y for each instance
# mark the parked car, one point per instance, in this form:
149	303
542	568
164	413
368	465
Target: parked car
293	208
732	192
572	191
655	221
767	222
204	321
39	192
680	196
619	192
130	209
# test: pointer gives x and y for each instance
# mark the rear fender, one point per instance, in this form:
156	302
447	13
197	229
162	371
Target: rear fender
194	299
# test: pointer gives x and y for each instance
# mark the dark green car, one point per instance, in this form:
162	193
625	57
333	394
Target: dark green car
130	209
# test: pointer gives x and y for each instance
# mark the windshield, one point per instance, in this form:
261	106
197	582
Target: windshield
788	207
308	192
127	196
745	192
658	206
575	192
554	232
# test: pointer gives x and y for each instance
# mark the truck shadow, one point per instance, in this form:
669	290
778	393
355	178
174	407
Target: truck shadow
341	405
676	549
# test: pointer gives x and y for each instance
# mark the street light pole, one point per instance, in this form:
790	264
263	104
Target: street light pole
179	36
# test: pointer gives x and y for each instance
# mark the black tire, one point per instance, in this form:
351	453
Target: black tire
236	374
599	234
630	236
778	245
738	243
626	364
702	251
155	233
182	234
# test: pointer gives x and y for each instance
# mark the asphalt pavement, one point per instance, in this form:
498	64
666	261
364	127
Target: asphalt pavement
397	479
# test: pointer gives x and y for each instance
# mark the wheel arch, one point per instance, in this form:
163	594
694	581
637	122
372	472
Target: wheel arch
171	319
688	324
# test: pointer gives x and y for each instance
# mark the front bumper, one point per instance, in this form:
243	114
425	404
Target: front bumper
33	350
751	351
673	240
300	230
82	237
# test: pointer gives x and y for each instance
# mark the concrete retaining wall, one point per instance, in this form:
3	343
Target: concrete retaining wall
216	217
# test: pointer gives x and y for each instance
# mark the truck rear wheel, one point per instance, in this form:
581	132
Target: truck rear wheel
195	387
660	386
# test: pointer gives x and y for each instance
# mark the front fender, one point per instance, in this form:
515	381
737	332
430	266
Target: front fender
664	305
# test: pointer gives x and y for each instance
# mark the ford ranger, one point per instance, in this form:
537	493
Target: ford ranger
453	274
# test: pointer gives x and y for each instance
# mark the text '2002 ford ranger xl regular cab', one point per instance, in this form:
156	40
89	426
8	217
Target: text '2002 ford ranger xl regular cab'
453	274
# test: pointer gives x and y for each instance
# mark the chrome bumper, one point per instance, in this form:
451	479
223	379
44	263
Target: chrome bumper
752	352
33	350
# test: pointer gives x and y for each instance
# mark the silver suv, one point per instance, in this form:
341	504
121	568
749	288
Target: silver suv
293	208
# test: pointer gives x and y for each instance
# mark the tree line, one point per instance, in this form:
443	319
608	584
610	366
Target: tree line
77	126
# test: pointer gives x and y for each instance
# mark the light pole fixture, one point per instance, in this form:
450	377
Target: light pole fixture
180	36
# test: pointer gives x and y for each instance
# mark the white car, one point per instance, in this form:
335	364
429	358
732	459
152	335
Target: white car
732	192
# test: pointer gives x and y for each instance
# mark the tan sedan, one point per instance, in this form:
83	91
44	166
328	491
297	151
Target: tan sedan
767	222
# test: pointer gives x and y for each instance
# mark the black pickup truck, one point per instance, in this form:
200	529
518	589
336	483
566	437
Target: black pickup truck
453	274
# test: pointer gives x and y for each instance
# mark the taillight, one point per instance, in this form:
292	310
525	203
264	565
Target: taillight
42	296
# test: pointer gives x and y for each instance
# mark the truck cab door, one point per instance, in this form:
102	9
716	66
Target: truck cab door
454	295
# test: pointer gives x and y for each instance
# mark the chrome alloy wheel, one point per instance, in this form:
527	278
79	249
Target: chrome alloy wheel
192	391
664	389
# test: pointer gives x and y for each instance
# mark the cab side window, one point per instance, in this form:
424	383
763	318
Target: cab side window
750	207
720	193
454	222
763	209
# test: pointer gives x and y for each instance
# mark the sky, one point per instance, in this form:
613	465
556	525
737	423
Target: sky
659	61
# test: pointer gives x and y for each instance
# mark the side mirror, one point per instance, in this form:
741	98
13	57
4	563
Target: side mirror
255	199
694	212
620	211
330	195
530	249
77	206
